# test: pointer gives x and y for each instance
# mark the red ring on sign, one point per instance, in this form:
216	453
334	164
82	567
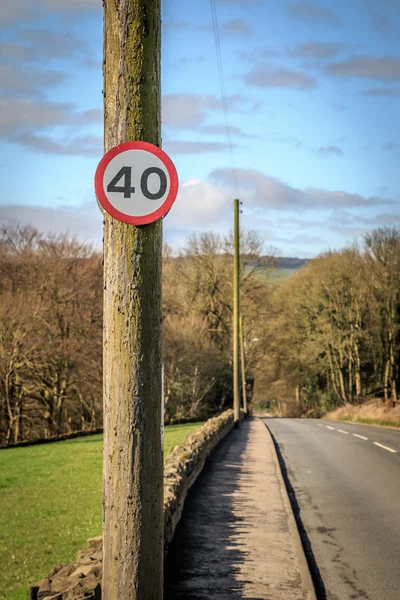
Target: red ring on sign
131	219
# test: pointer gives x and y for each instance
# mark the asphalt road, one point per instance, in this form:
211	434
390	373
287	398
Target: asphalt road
345	490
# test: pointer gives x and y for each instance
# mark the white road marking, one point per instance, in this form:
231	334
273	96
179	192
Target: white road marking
385	447
362	437
320	425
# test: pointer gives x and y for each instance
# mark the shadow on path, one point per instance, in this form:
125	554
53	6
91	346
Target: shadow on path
204	558
319	586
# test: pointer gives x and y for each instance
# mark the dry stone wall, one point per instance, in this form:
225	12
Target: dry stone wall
81	580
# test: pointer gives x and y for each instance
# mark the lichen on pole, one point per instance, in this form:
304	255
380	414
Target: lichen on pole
236	305
243	365
133	454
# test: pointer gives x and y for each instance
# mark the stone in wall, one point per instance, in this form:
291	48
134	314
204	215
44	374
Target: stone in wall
81	580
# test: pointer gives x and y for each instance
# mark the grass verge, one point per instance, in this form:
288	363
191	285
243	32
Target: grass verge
368	421
373	412
50	503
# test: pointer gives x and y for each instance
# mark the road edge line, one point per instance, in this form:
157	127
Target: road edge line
363	424
392	450
304	569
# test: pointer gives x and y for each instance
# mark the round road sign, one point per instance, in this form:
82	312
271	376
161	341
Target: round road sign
136	183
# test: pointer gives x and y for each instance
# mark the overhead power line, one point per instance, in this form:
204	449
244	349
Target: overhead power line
223	90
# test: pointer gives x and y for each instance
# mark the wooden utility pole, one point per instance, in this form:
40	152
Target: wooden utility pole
133	454
236	306
242	357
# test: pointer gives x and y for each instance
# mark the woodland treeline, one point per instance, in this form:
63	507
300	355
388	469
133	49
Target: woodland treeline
51	330
326	335
50	335
333	332
197	306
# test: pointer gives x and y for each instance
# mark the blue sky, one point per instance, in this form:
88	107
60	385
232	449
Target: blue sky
312	90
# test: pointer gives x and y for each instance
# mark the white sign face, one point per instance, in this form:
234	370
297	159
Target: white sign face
136	183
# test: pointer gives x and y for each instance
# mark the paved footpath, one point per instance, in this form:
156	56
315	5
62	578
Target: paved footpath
237	537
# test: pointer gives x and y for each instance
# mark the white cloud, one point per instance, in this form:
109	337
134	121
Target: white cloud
185	111
80	145
316	50
208	204
42	44
384	92
308	11
383	24
200	205
188	147
221	130
240	2
21	115
269	76
270	206
237	27
380	68
17	115
18	80
29	10
330	151
262	191
391	147
84	221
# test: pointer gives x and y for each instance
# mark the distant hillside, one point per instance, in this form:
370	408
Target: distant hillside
290	262
285	265
283	262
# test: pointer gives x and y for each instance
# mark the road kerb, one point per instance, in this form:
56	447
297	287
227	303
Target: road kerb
304	570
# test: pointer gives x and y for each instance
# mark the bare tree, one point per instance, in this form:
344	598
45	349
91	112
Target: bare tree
383	259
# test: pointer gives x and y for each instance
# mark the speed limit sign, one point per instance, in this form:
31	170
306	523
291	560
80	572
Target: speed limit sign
136	183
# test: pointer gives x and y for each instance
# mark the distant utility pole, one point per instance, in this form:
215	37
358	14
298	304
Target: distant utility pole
243	366
236	307
133	454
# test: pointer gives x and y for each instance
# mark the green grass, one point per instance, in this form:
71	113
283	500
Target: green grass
279	274
275	275
367	421
50	503
175	435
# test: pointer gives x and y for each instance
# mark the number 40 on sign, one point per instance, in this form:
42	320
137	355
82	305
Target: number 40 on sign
136	183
